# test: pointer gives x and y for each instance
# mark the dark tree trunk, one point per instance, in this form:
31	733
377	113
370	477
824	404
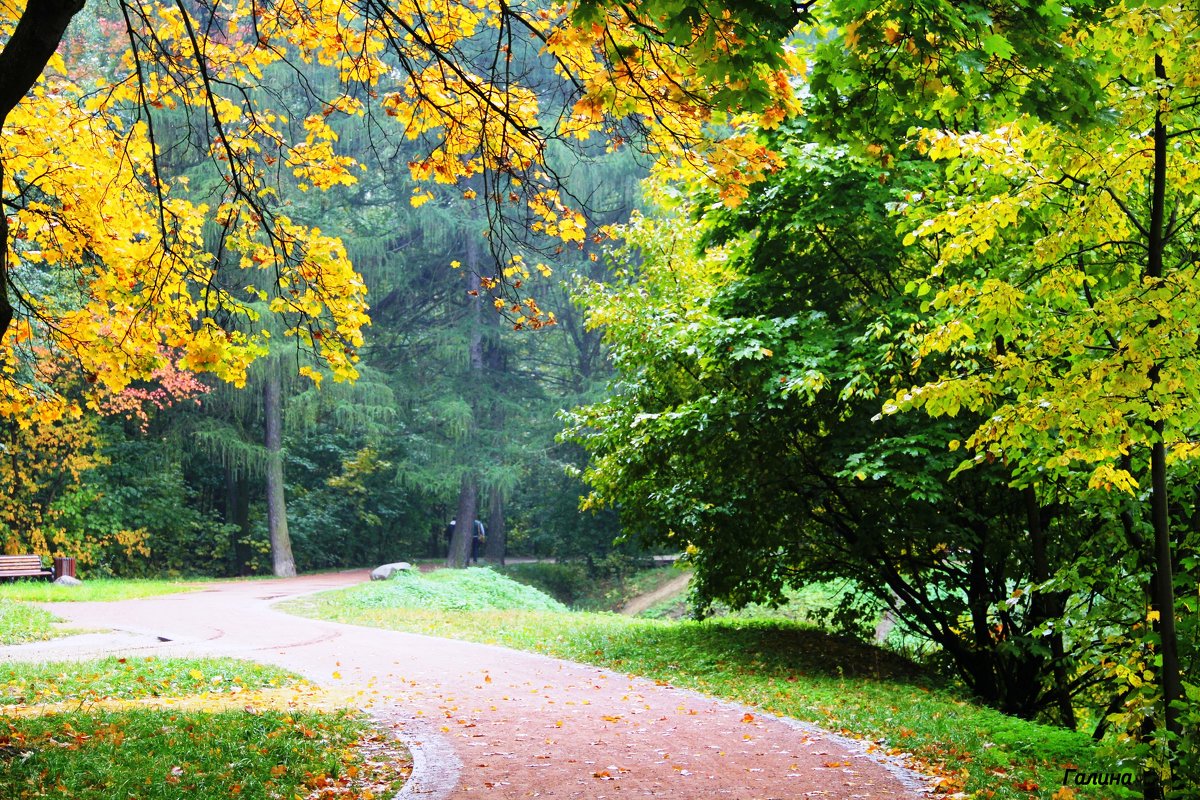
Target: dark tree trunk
6	308
1163	599
460	542
468	495
282	563
497	536
237	512
22	61
1047	606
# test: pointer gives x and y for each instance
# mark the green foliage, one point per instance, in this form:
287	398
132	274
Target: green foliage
744	426
346	507
951	64
566	582
1061	311
606	586
143	490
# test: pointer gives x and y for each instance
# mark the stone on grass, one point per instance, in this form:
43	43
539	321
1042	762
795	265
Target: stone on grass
384	571
67	580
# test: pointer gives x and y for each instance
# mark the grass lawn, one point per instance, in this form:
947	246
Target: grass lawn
781	667
93	589
163	729
21	623
33	684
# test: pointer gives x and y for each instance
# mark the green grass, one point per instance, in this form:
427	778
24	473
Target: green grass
784	668
100	753
93	589
156	754
20	623
131	678
450	590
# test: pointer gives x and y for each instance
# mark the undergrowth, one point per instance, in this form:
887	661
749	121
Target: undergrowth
606	588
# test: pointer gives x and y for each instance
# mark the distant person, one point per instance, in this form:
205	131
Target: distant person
478	537
450	536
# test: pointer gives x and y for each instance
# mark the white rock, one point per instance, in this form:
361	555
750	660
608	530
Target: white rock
67	580
384	571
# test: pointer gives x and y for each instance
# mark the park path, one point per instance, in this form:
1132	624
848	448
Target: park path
671	588
486	721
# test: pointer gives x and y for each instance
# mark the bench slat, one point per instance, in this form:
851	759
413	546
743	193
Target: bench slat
24	566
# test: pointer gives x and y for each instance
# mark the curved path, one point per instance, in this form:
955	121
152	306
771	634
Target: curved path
676	586
485	721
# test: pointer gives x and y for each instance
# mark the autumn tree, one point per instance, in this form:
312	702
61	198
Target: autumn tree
105	257
1061	243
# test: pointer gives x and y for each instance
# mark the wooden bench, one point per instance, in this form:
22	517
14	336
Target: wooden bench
13	567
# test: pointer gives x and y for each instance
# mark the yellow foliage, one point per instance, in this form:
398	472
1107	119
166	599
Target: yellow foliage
119	249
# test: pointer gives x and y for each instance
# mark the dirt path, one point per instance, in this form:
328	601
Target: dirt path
486	721
676	585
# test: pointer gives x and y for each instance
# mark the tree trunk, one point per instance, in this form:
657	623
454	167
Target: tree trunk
6	308
496	534
237	513
1163	599
282	563
1048	606
460	542
495	364
22	61
468	495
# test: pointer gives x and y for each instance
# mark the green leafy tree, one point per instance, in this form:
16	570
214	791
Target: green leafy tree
740	426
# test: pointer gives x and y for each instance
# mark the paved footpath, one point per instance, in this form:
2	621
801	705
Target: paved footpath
488	722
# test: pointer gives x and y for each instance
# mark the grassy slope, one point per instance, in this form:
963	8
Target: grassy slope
778	665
